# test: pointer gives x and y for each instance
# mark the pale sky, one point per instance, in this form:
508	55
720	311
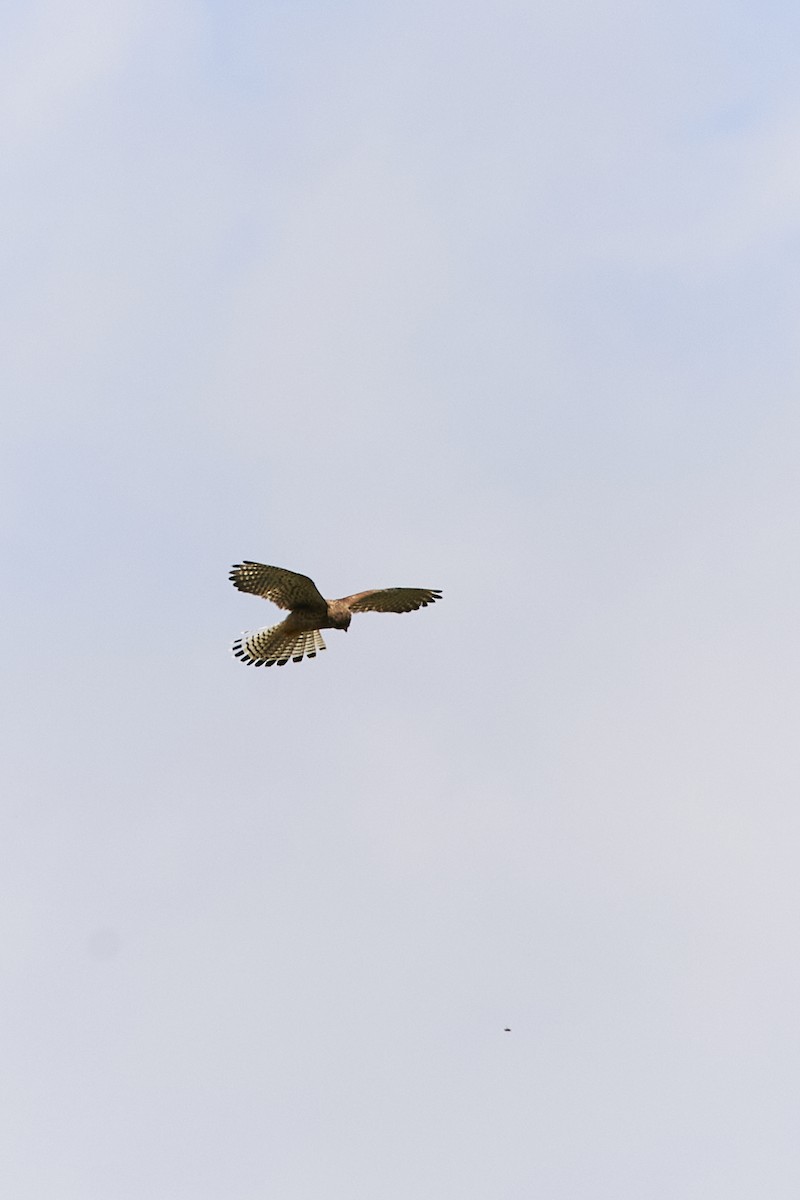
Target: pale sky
497	298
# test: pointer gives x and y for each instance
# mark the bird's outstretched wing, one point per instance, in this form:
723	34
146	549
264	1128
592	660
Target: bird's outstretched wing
287	589
394	600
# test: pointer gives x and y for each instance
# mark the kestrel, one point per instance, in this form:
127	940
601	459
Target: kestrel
299	635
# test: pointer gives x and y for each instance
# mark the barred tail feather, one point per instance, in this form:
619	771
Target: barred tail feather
266	647
313	643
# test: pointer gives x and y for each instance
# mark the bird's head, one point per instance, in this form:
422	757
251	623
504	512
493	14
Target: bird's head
338	614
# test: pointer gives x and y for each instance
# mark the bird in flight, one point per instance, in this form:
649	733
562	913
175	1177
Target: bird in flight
299	635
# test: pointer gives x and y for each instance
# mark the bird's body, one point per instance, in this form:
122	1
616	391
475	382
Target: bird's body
298	635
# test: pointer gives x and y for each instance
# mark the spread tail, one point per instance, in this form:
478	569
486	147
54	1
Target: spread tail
266	647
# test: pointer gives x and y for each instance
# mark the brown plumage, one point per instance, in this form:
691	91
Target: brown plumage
298	635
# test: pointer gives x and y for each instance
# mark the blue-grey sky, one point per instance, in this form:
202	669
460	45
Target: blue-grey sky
497	298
